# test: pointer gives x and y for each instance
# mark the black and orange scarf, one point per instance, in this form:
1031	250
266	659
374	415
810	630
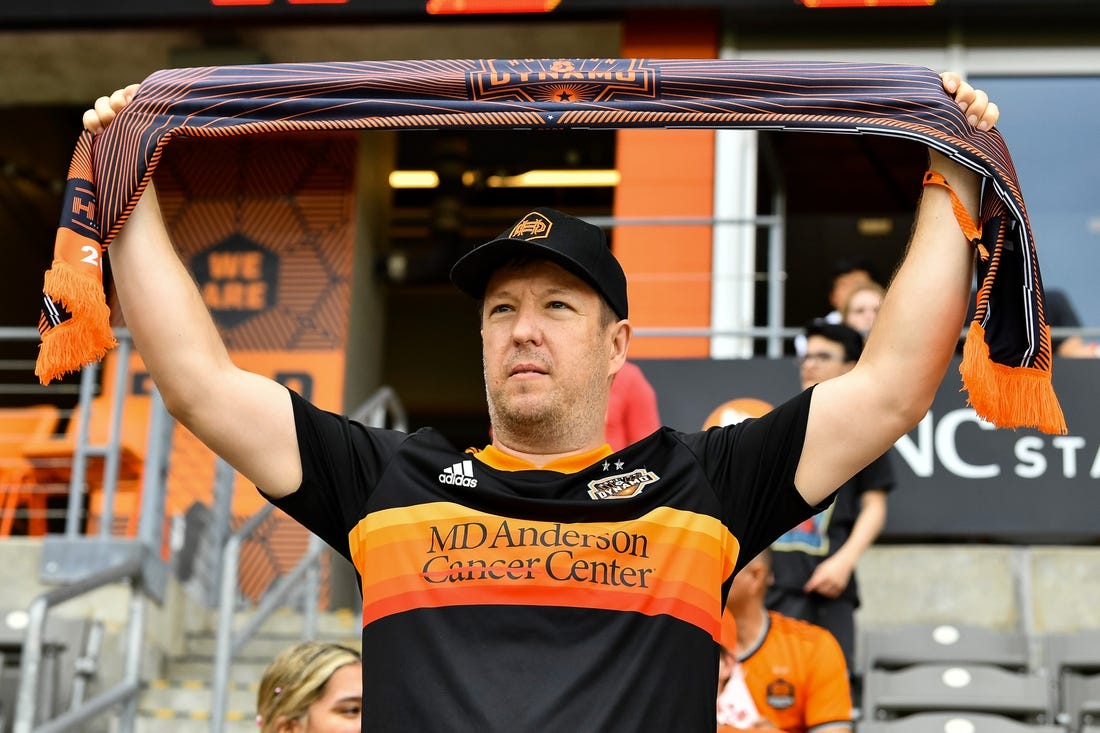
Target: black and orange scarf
1007	358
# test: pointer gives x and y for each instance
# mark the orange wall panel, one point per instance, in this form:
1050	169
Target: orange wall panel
667	173
264	226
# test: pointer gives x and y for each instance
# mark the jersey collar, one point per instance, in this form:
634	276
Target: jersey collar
498	459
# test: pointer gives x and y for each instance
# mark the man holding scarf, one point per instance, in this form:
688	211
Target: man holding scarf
545	582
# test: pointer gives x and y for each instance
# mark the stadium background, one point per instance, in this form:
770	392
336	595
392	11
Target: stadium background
324	275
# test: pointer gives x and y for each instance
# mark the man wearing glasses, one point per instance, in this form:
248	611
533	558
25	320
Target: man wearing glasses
814	563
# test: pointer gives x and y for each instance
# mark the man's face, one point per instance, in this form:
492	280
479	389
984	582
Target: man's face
824	359
548	358
843	285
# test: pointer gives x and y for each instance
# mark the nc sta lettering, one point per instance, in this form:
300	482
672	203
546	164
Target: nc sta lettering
936	441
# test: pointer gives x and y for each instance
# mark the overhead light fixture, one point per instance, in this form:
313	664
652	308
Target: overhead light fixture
557	178
468	7
874	226
540	178
414	179
867	3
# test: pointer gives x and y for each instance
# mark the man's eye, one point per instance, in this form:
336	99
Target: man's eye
500	308
558	304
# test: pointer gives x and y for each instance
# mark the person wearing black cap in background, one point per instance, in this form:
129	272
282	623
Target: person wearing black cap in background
546	582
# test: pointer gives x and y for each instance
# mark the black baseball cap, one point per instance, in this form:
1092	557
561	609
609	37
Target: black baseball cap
549	234
850	264
846	336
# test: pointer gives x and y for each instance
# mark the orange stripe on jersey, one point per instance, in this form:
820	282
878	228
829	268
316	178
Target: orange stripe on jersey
468	581
686	559
667	562
518	595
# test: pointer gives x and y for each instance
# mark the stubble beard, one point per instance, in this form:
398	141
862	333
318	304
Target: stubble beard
553	423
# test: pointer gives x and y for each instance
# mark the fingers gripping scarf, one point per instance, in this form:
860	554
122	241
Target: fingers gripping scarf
1007	357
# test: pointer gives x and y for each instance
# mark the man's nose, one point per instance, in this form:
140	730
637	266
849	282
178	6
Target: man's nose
526	327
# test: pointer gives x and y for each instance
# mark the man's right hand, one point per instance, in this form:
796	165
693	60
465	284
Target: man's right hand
245	418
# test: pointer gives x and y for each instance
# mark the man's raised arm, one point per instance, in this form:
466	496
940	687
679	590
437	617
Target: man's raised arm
243	417
856	417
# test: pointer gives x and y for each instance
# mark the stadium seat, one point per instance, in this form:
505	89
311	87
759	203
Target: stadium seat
1076	651
19	425
1069	653
900	647
978	688
954	723
51	459
1080	701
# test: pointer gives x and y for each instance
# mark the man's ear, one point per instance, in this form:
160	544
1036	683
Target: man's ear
620	342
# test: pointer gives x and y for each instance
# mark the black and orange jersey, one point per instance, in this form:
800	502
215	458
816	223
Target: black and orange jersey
797	677
585	595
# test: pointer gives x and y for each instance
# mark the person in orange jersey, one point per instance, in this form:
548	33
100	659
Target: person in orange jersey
794	671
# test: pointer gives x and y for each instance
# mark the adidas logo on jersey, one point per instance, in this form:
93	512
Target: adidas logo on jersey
460	474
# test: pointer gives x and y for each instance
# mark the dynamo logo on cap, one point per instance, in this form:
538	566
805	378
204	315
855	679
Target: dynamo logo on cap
532	226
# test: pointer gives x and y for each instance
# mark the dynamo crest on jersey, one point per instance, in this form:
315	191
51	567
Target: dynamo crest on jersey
621	486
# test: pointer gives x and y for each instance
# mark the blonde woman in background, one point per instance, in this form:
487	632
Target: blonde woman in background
861	307
312	687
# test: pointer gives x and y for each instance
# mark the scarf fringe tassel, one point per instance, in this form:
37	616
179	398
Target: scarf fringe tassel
86	336
1008	397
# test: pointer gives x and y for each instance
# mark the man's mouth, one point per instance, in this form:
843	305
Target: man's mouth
526	369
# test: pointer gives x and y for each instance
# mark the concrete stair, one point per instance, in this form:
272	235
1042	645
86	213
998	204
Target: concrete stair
180	699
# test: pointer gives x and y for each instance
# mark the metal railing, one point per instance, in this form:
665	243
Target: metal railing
82	564
375	409
772	331
304	580
84	450
22	382
85	563
28	712
110	451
